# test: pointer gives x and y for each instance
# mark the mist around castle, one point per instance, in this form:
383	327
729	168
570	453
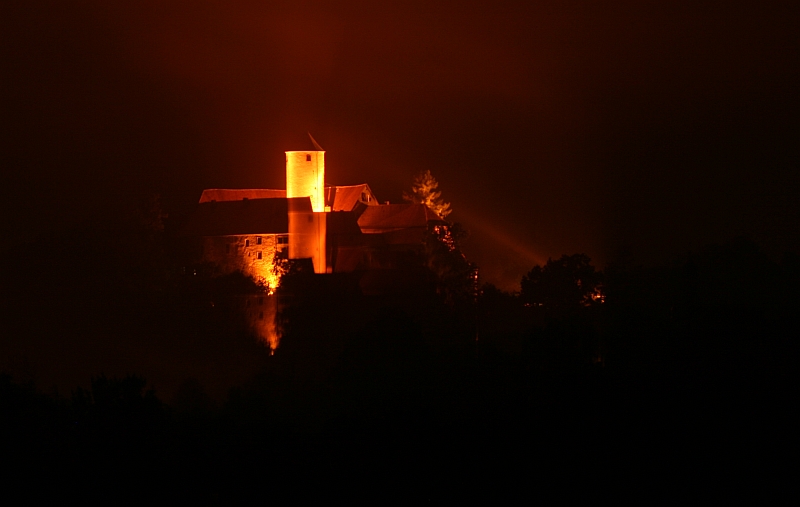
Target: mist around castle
157	361
549	250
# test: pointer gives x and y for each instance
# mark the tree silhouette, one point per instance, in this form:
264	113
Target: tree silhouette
447	262
563	285
425	190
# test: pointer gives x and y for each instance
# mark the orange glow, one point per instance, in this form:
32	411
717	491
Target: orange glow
262	313
508	241
269	275
598	295
307	238
256	256
305	177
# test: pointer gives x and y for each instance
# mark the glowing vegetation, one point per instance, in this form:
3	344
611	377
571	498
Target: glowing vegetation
425	190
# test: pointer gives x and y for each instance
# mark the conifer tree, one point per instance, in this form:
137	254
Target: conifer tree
425	190
454	275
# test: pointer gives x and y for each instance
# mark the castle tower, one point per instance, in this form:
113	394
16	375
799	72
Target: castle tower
305	177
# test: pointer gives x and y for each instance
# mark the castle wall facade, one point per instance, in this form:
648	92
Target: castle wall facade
253	255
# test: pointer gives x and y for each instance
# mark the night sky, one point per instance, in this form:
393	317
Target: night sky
653	128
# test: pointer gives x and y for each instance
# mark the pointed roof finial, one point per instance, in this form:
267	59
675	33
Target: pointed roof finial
314	142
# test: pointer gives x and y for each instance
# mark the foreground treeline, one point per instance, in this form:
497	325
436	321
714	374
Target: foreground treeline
728	307
678	377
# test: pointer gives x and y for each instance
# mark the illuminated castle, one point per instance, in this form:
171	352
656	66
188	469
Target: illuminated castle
337	229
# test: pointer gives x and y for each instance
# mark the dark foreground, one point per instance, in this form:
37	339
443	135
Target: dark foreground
389	424
677	386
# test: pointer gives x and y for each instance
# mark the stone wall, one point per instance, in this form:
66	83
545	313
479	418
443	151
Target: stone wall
254	255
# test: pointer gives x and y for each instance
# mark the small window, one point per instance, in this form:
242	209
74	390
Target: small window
259	255
247	242
308	158
258	240
283	240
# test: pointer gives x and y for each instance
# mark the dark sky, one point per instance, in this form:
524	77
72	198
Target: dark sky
552	127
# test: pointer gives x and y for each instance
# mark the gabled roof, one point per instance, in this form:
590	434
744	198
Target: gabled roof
238	194
224	212
251	216
343	198
342	222
392	217
407	236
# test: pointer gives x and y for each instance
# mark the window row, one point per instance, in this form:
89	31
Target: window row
281	240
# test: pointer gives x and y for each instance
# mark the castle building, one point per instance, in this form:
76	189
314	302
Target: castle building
338	229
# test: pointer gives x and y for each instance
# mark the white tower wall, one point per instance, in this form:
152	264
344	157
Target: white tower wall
305	177
307	238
